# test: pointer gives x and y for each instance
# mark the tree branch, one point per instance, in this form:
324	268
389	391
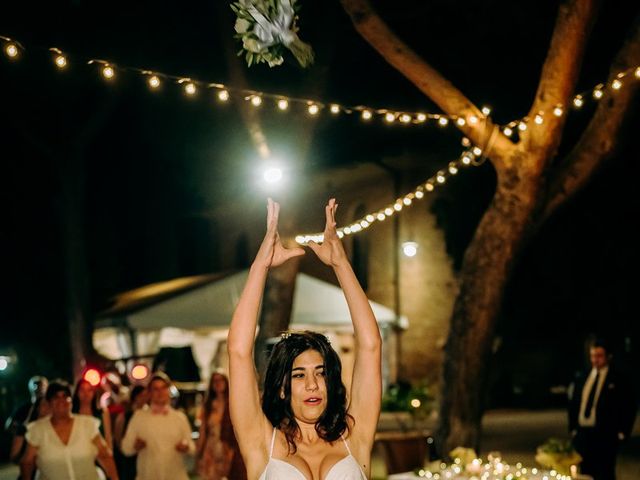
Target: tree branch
597	143
560	73
428	80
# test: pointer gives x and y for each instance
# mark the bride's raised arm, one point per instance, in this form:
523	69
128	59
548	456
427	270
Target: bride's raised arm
366	386
250	425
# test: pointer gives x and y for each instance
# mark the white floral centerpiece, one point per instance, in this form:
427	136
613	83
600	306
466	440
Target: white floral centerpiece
558	455
266	28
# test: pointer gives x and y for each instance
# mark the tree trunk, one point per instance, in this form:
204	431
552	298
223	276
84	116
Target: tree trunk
485	271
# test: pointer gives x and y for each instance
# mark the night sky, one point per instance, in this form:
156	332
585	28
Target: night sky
144	164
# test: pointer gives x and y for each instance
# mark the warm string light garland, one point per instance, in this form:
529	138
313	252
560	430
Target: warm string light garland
472	156
154	79
577	102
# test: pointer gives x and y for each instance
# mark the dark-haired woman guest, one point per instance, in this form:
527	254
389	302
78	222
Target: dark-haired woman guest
304	428
85	402
218	453
63	445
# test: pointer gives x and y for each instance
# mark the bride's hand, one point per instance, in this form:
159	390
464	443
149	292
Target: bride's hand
272	253
331	252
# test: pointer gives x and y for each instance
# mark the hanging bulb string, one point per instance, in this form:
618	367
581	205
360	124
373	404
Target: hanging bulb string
314	106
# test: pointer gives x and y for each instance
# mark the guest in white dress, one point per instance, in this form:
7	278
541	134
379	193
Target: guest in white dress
64	446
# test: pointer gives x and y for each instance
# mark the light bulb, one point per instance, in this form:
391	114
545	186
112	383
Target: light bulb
283	104
190	89
410	249
389	117
366	115
486	110
522	126
11	50
477	151
313	109
421	117
637	72
108	72
406	201
223	95
538	119
442	121
405	118
460	121
557	111
507	131
473	120
154	81
616	84
60	61
597	94
256	101
578	101
334	108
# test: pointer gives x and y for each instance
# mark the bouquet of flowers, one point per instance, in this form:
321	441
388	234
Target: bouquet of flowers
266	28
558	455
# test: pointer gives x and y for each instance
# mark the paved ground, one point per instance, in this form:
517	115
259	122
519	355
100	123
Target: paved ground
516	434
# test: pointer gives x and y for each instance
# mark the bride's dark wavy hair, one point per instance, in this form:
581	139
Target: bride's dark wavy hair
335	420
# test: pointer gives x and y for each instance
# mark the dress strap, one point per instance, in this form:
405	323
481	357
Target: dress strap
346	445
273	441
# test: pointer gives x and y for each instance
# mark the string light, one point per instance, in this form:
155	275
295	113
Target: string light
389	117
283	104
522	126
60	61
190	88
108	72
538	120
11	50
154	81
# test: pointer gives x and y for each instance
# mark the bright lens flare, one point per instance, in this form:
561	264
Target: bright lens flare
92	376
272	175
139	372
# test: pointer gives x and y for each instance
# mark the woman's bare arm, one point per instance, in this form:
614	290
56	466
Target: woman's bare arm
250	424
366	385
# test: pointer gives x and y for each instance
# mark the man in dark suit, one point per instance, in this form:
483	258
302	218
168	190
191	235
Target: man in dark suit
602	409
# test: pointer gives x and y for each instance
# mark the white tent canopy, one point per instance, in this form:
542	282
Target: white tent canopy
196	311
